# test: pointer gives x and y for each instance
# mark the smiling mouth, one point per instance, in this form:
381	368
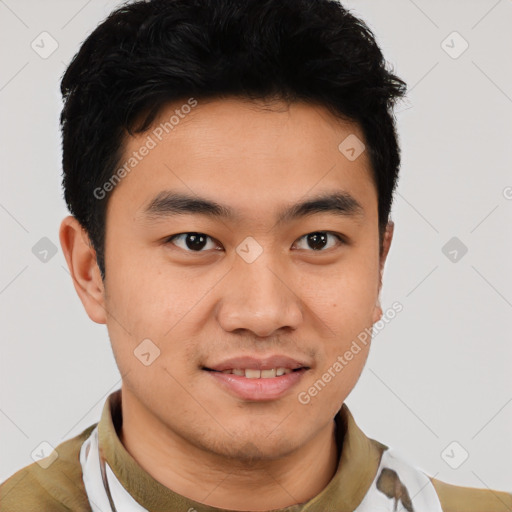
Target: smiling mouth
250	373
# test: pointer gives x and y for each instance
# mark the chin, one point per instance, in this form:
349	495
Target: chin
259	447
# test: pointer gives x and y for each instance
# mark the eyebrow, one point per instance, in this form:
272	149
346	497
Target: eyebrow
169	203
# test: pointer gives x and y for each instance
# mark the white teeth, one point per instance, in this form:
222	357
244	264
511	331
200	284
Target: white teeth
249	373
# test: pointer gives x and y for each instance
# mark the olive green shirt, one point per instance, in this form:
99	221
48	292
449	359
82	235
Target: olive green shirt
60	487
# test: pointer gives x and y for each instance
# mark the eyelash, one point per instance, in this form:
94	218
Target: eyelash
339	237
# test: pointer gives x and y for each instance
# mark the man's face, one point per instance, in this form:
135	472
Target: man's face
251	293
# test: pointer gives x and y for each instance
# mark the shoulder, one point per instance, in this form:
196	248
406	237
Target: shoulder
399	483
468	499
59	487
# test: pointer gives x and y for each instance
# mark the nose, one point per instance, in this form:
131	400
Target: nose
257	298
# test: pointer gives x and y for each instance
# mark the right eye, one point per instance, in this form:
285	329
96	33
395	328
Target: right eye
191	242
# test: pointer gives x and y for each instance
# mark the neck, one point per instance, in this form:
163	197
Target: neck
222	482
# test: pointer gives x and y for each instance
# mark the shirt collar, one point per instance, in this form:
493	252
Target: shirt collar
357	467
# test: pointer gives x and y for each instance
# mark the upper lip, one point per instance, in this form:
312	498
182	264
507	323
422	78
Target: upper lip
259	363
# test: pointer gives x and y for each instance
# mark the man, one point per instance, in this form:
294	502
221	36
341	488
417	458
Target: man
230	167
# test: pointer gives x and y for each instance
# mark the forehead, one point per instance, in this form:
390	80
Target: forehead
244	154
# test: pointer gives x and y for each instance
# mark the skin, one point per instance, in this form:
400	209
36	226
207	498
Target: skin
202	308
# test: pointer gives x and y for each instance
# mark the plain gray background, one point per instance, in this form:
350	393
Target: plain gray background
438	373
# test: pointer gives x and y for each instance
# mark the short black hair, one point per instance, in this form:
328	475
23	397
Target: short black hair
148	53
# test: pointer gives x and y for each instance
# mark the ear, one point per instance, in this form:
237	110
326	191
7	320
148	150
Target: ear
81	259
384	250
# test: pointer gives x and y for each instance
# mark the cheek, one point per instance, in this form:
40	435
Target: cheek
157	302
343	295
345	303
328	388
139	287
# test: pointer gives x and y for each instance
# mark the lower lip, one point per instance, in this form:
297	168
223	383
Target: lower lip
258	389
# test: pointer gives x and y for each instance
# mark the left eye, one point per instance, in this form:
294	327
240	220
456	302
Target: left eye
319	240
196	242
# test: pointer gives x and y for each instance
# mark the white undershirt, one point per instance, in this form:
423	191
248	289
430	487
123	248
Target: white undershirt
419	487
